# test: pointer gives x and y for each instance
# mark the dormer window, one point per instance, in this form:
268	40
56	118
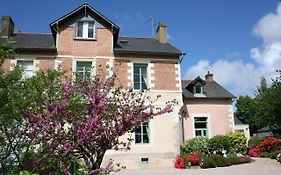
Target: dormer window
85	29
198	89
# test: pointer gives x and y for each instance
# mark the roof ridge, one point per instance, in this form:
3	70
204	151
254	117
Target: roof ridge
138	37
34	33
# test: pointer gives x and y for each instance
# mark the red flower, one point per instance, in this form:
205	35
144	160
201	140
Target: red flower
193	159
179	163
255	152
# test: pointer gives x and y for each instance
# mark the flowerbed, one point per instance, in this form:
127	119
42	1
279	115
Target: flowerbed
269	147
218	151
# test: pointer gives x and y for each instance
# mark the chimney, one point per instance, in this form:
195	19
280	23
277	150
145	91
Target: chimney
7	26
209	77
161	33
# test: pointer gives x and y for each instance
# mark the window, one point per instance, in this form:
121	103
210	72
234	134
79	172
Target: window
85	29
200	125
83	69
198	89
140	76
142	133
28	68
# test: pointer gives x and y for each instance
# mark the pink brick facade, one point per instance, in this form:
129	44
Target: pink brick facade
218	111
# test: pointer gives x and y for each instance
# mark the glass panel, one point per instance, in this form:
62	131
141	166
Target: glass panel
200	125
136	85
145	138
90	29
205	132
83	69
200	119
198	89
79	32
137	138
142	133
198	133
140	76
136	70
136	78
28	68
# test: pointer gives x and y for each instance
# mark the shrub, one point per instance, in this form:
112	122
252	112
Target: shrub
255	152
233	160
265	155
219	143
275	154
198	144
270	144
237	142
180	162
254	141
207	162
193	159
245	159
220	161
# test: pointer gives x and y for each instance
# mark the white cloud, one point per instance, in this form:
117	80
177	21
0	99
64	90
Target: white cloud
269	27
241	77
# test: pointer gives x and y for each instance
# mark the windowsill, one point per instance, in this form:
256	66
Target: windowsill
85	39
199	95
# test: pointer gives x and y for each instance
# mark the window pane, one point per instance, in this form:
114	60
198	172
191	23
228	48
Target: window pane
200	125
198	89
142	133
136	78
145	138
136	85
198	133
136	70
91	29
83	69
204	132
28	68
140	76
204	119
79	32
137	138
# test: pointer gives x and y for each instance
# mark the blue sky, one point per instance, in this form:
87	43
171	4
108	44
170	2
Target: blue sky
237	40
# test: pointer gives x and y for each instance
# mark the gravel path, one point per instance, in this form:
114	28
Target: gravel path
259	167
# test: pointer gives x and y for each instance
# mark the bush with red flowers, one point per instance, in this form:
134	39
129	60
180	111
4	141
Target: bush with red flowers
180	162
255	152
270	144
194	159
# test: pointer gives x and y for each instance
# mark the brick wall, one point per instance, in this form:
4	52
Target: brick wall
68	45
165	76
7	65
45	63
121	71
101	67
66	64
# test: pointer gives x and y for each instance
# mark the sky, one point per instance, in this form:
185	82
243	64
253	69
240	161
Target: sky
237	40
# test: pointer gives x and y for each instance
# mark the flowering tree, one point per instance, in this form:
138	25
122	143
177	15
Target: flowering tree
88	119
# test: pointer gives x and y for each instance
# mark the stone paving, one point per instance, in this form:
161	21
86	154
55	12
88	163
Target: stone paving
260	166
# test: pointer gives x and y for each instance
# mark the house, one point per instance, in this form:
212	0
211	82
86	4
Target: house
86	43
207	108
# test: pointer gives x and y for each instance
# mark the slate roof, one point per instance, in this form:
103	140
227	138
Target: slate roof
145	46
33	42
211	90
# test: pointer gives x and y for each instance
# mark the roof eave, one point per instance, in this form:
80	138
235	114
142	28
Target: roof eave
146	52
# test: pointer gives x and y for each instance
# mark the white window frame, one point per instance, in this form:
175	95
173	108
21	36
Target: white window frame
149	135
85	30
140	61
33	67
92	60
198	115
